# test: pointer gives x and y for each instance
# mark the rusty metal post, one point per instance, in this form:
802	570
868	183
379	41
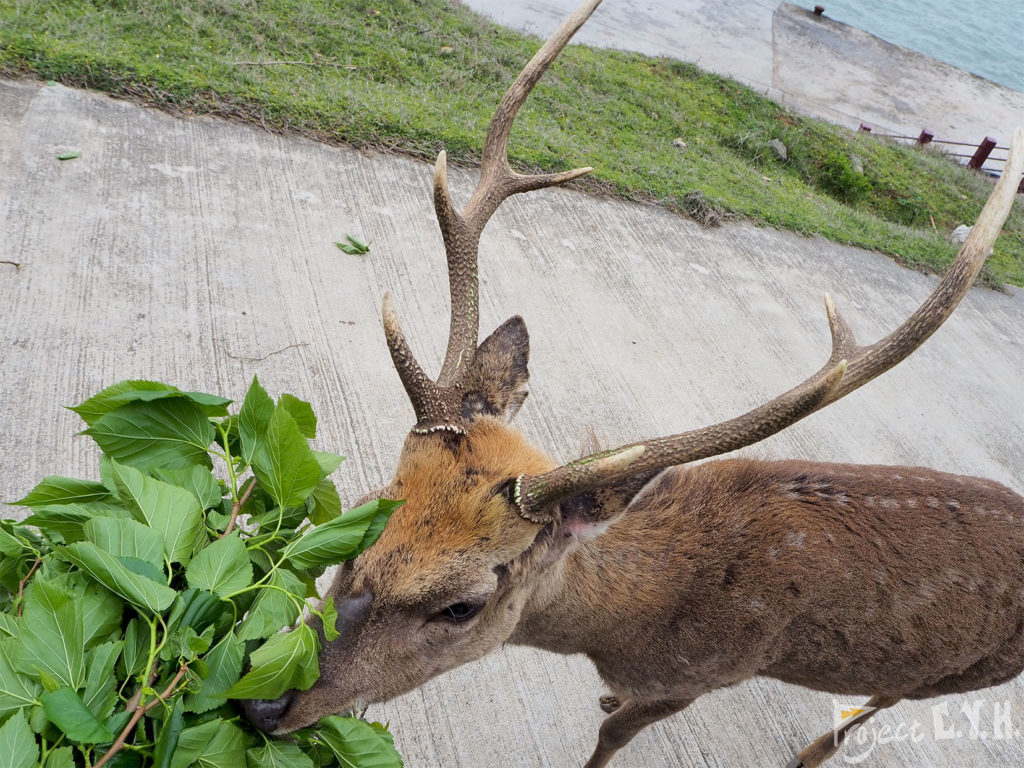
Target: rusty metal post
864	128
925	137
981	153
1020	187
819	9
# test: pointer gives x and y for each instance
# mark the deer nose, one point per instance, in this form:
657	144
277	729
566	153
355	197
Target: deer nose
265	714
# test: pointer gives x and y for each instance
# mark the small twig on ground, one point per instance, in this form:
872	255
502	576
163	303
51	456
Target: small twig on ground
238	506
269	354
23	582
15	264
933	223
138	714
310	64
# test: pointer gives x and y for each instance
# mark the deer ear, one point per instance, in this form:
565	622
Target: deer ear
497	385
587	515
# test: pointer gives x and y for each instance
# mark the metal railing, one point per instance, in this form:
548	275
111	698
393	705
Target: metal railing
977	159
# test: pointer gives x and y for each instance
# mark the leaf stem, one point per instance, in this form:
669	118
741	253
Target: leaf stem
140	711
238	506
23	582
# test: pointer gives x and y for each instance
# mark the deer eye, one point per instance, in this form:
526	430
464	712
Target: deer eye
456	613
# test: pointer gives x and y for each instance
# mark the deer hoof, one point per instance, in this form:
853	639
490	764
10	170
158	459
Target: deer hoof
609	703
796	762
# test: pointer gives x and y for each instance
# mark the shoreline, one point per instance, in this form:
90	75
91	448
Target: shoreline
811	64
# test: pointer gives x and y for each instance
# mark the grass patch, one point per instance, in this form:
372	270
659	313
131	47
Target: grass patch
418	75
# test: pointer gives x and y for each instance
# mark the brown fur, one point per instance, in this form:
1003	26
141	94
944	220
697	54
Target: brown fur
894	582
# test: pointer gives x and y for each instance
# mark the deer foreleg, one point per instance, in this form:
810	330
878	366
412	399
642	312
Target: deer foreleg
624	723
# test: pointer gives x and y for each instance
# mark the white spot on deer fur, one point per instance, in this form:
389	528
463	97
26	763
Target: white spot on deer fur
757	605
932	502
897	477
890	504
953	504
796	539
869	501
173	171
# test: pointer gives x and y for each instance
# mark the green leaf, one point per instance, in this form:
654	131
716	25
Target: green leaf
277	754
324	504
353	246
101	611
10	545
67	520
357	744
192	741
18	748
328	461
136	647
16	690
342	538
272	609
197	481
283	663
166	433
225	663
100	682
174	513
330	622
55	489
65	709
62	757
112	573
223	567
125	392
284	463
72	155
253	419
50	641
196	608
170	732
126	538
185	643
213	744
302	412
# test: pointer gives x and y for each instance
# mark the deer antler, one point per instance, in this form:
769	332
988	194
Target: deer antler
848	367
438	404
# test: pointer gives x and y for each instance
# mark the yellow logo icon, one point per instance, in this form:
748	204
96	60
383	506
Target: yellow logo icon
846	714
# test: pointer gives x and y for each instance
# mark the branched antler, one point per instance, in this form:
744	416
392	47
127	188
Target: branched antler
438	404
849	366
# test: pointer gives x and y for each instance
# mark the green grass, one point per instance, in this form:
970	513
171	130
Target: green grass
416	76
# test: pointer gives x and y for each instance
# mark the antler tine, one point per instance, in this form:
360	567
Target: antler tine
424	394
849	367
461	232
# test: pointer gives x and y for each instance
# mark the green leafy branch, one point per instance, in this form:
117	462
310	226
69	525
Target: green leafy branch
161	565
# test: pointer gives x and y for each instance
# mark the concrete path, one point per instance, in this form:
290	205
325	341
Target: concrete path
199	252
813	64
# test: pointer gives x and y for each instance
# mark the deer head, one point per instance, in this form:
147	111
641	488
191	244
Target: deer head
488	518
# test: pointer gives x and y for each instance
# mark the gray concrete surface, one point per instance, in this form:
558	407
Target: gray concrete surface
199	252
815	65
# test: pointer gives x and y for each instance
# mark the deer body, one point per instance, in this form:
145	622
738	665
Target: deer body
857	580
893	582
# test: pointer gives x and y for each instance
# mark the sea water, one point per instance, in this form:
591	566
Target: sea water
985	37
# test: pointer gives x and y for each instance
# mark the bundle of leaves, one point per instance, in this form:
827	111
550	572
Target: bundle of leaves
133	609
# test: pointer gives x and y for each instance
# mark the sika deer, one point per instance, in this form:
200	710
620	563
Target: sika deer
674	580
